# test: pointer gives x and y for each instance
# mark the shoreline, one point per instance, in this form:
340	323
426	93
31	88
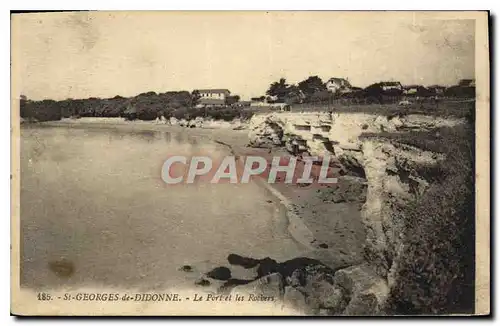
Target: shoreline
296	229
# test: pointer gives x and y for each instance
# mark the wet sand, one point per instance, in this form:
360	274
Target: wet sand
334	231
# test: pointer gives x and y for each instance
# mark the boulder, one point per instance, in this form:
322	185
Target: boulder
367	292
325	312
363	304
220	273
298	278
294	298
267	266
202	282
308	265
186	268
330	297
174	121
198	122
323	295
245	262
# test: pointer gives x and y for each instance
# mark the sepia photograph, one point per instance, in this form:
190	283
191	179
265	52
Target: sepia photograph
250	163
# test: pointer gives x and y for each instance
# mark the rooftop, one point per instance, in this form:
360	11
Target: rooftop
335	79
214	90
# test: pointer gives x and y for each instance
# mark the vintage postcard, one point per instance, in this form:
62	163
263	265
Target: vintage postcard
250	163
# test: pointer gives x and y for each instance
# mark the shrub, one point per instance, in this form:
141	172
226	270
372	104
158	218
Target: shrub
45	110
436	268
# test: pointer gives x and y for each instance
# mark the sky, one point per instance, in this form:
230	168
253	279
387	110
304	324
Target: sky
103	54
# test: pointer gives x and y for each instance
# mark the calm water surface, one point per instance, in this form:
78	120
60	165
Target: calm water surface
96	198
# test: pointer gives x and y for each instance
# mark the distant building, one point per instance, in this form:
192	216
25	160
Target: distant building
437	89
391	85
410	89
467	83
381	89
338	85
418	90
213	97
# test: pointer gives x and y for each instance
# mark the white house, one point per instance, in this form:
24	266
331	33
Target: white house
213	96
391	85
335	85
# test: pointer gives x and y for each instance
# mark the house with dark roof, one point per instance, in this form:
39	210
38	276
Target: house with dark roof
213	97
386	87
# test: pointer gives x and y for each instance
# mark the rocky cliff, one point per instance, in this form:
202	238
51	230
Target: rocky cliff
395	173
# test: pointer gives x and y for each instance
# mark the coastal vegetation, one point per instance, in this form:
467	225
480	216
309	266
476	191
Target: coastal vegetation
313	90
309	94
420	205
436	269
437	274
145	106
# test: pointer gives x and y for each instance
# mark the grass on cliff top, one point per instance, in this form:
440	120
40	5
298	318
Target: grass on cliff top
436	268
455	109
435	140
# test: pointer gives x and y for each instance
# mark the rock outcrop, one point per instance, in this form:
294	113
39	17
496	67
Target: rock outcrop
220	273
309	286
390	172
200	122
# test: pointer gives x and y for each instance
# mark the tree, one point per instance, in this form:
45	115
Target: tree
23	101
294	95
230	100
278	89
311	85
195	97
321	97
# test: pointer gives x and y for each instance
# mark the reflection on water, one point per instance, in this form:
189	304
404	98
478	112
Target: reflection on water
94	210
